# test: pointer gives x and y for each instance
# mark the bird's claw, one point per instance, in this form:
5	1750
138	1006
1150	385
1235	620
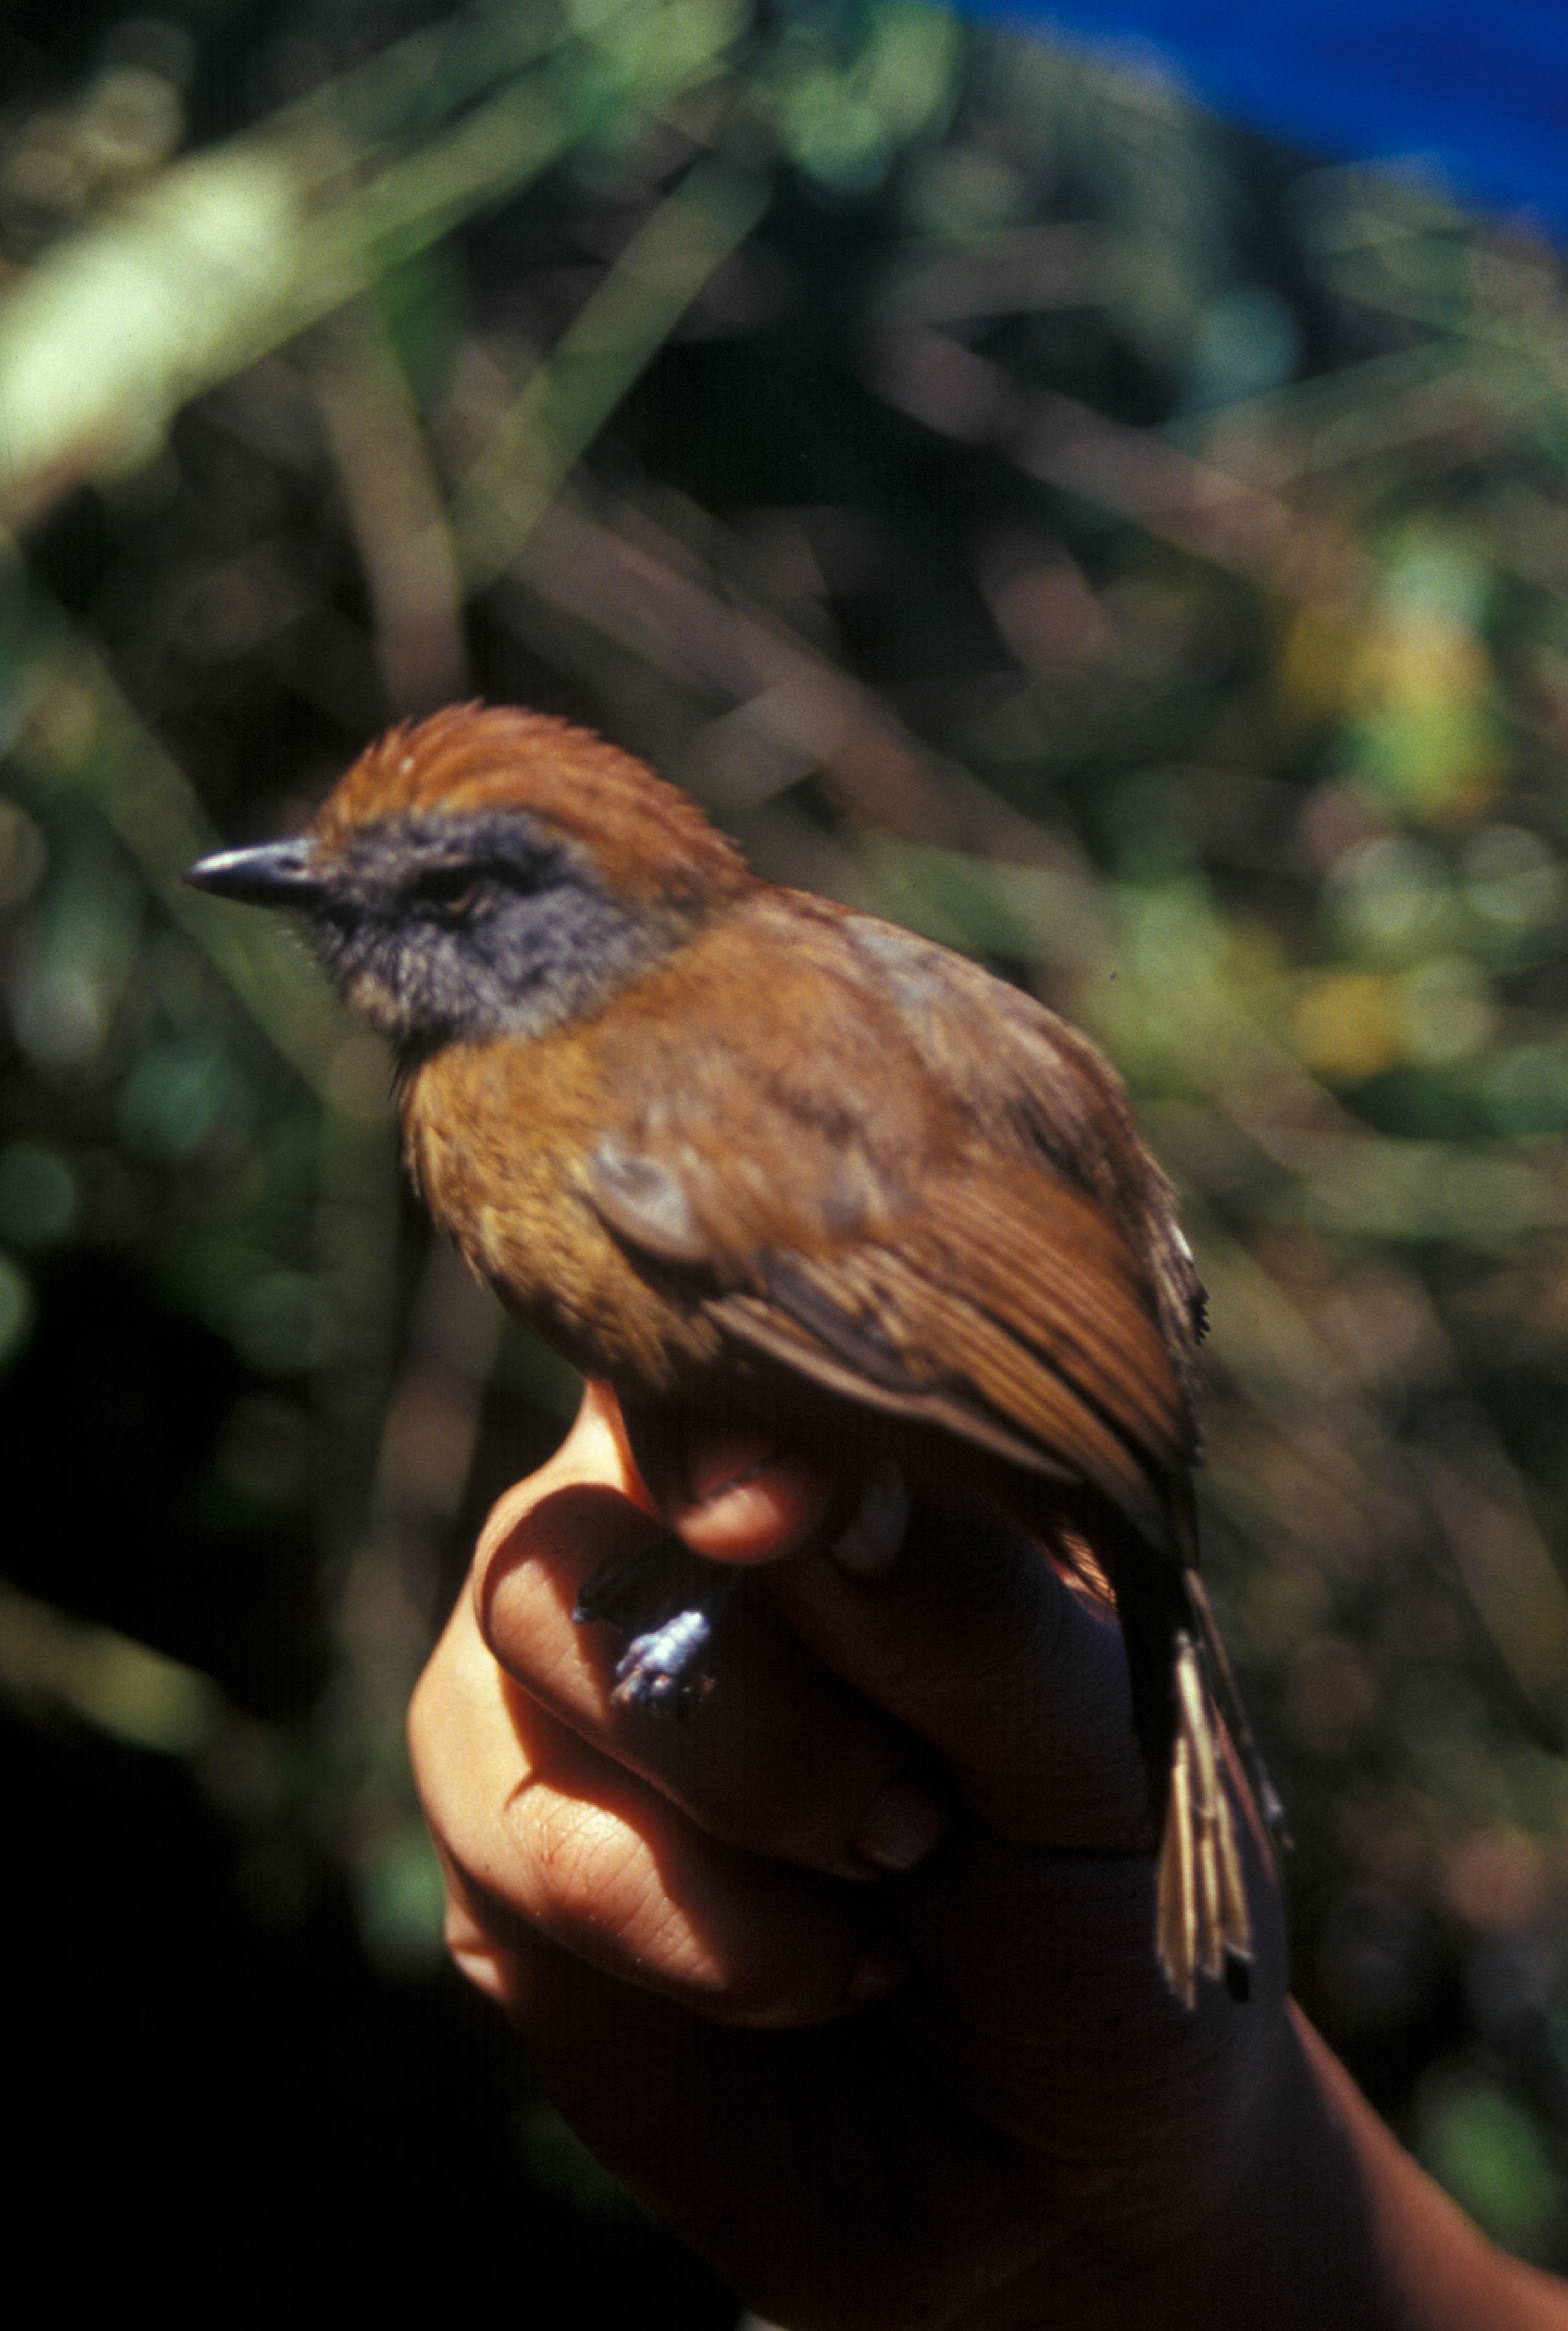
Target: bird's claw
666	1600
661	1672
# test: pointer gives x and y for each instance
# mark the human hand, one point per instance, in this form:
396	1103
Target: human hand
958	2092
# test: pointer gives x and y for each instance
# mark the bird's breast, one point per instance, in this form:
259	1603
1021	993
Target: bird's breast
497	1137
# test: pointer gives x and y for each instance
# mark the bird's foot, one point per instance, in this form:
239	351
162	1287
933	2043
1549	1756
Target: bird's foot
664	1672
667	1600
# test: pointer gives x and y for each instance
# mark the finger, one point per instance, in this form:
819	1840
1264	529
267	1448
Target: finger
1017	1681
782	1757
535	1826
738	1500
595	1449
749	1504
730	1491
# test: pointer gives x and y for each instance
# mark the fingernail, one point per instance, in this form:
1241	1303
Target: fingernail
871	1545
880	1969
722	1480
905	1824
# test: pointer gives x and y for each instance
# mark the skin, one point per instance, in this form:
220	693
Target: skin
850	1976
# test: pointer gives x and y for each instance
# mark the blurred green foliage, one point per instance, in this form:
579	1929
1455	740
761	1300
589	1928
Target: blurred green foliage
1014	502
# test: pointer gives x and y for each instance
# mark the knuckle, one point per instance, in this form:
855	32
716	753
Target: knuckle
734	1810
802	1810
577	1854
681	1926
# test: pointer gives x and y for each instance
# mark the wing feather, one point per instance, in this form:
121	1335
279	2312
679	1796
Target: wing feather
1038	1090
1010	1315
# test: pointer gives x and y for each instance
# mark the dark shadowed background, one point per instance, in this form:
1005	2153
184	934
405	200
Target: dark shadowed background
1012	500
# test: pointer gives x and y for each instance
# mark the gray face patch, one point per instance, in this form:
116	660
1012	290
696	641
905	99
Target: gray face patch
440	928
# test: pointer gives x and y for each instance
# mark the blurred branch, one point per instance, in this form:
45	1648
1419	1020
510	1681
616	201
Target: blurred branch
796	710
81	733
1397	279
1018	272
50	1660
426	1445
1403	1188
396	510
386	1599
1478	1503
611	341
939	382
1436	398
1039	913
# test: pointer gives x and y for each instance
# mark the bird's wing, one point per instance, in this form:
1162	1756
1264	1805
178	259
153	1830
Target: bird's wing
995	1301
1038	1089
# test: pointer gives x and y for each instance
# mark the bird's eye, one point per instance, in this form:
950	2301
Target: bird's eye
456	892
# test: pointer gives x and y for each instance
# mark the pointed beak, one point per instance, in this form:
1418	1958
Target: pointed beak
277	874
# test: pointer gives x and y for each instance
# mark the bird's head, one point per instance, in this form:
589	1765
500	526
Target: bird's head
489	872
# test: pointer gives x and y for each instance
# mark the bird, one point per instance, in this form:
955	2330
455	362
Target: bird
750	1154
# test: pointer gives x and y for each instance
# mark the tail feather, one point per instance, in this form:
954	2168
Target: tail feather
1234	1709
1187	1713
1203	1919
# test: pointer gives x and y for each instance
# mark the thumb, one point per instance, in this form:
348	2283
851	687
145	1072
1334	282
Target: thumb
726	1491
595	1454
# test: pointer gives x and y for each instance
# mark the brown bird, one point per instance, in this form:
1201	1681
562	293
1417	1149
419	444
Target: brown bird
746	1154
